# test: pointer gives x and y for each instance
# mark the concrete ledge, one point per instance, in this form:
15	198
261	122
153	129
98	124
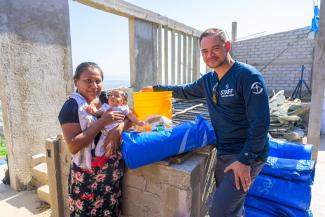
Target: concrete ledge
43	194
37	159
39	173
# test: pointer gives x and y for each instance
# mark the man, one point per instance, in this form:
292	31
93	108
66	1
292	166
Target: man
238	106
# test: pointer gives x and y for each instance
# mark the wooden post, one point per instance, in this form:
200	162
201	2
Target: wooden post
318	85
179	56
189	57
234	31
143	56
166	54
55	176
172	50
159	56
196	59
184	58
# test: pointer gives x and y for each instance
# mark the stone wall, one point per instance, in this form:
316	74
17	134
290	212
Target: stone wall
286	51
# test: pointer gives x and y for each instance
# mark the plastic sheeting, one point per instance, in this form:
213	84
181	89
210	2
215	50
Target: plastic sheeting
290	169
294	194
262	208
140	149
290	150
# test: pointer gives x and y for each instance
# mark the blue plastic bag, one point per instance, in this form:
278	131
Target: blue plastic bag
290	150
262	207
290	193
290	169
139	149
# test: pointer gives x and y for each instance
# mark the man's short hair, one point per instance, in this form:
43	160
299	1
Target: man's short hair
214	31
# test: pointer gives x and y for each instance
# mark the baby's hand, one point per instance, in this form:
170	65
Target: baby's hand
90	109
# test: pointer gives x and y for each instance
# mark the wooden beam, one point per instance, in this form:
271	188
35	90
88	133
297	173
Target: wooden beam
172	50
318	85
184	59
166	54
196	59
179	56
132	52
159	55
189	57
125	9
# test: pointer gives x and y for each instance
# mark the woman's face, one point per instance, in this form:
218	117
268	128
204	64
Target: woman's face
90	83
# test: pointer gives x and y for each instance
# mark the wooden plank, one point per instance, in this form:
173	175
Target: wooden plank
166	54
54	174
172	57
143	53
189	57
159	55
184	59
234	31
196	59
132	52
125	9
318	85
179	56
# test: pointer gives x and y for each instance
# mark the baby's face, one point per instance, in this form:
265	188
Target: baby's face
115	99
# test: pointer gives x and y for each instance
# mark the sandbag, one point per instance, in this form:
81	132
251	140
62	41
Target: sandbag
290	169
262	207
285	149
139	149
290	193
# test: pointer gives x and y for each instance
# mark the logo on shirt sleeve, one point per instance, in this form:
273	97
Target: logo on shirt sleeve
257	88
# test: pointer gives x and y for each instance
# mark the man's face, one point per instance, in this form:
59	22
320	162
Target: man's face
213	51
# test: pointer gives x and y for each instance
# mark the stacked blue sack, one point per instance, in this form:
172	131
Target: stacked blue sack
283	187
139	149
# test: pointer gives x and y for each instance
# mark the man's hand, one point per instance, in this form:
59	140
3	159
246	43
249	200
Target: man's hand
242	174
147	89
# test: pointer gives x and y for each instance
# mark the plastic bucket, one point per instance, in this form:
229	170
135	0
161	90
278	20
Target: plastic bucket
152	103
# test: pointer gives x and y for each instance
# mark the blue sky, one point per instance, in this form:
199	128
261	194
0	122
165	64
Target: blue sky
103	38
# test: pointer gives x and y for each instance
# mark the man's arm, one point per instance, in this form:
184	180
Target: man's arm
257	111
258	116
194	90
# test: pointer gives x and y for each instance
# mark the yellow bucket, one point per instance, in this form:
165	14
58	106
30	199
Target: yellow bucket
152	103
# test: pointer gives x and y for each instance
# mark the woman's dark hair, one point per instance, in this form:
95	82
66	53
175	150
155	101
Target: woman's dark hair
86	65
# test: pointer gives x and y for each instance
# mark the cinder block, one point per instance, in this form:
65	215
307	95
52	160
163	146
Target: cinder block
132	179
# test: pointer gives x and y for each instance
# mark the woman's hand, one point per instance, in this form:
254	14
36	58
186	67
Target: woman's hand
113	138
111	116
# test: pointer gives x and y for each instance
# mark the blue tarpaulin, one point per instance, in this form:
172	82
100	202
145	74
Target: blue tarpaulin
315	20
292	194
262	207
140	149
290	169
290	150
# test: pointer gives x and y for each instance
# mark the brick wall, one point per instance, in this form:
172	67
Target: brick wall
284	71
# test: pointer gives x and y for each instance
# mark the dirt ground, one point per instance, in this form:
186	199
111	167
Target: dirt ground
26	203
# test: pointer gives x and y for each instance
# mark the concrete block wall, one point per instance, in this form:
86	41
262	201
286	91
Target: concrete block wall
284	71
159	190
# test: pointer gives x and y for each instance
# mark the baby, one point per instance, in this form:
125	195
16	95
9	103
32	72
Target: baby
117	101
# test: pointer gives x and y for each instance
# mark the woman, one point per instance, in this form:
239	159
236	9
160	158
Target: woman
92	191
